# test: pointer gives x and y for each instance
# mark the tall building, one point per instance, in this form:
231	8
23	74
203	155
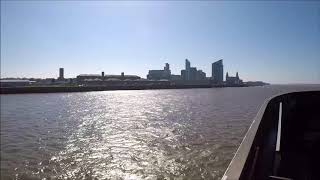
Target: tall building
217	71
187	64
61	74
187	69
167	67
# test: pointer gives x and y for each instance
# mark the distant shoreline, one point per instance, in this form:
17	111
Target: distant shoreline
57	89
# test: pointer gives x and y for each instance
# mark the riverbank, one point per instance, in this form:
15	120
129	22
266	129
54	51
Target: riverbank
57	89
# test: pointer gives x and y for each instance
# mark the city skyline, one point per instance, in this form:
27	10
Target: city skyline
267	41
187	74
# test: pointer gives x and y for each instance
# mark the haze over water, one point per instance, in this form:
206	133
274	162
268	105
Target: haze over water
146	134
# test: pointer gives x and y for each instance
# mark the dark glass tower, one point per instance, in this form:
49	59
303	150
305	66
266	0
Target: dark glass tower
188	73
217	71
61	73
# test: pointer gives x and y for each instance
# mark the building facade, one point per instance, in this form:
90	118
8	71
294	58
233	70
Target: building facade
188	67
201	75
61	74
160	74
217	72
230	80
191	73
85	78
14	83
176	77
184	75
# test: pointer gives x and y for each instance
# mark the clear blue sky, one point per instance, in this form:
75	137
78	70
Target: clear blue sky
277	42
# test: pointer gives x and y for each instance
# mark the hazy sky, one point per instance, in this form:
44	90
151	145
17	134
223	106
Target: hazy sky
277	42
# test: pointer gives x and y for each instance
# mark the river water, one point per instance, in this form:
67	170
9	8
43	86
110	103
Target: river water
142	134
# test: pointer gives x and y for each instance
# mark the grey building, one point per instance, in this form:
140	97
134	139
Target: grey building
230	80
187	64
83	78
176	77
184	75
217	71
160	74
61	74
14	83
191	73
167	67
201	75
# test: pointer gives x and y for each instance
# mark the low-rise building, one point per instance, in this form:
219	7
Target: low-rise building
175	77
83	78
160	74
201	75
14	83
230	80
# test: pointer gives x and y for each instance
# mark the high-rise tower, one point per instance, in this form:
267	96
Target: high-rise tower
188	73
217	71
61	74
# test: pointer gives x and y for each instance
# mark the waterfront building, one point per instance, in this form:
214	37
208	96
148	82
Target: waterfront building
191	73
230	80
217	72
176	77
187	64
47	81
255	83
14	82
184	75
201	75
160	74
61	74
82	78
167	67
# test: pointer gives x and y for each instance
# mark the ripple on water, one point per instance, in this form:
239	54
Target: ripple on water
191	133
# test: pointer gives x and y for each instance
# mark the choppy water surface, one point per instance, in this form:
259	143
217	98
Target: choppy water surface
148	134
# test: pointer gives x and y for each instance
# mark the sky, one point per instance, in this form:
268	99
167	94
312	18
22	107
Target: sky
276	42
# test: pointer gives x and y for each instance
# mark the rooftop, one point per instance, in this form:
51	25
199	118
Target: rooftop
108	75
13	80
